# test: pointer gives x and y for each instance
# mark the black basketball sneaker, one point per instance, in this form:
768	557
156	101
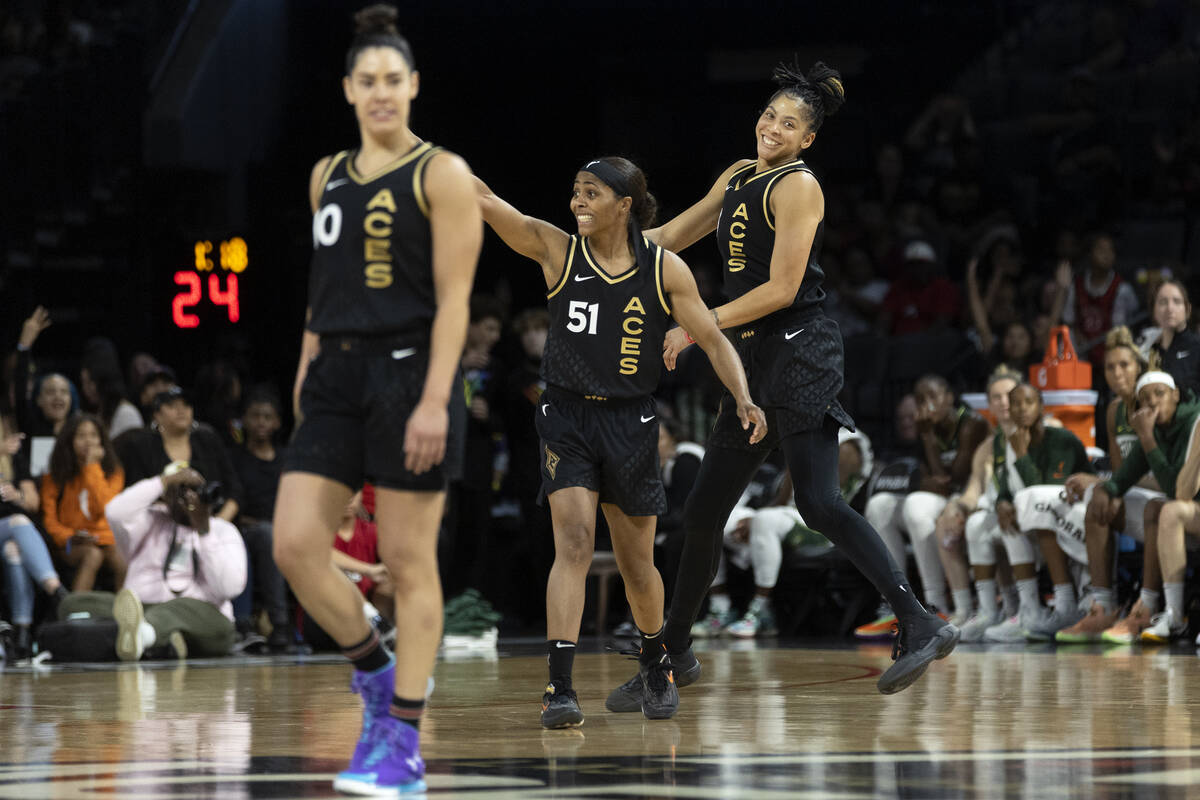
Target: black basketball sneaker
628	696
918	642
660	698
560	708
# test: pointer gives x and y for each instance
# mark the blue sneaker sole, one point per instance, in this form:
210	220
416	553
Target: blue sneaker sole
361	786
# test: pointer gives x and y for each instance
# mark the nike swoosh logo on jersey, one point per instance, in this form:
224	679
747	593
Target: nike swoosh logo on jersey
647	419
405	353
1183	354
335	184
580	278
544	407
793	334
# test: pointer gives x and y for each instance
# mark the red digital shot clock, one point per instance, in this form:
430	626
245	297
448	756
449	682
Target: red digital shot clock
233	259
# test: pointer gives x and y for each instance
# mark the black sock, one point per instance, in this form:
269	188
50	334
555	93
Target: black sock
653	647
561	658
369	655
407	711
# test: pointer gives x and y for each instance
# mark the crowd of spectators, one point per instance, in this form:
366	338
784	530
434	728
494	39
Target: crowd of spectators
1056	182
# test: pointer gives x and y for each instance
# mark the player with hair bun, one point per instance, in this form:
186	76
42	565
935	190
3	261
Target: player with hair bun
396	236
768	213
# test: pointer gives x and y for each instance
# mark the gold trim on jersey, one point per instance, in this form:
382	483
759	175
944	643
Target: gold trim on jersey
418	185
629	273
333	162
767	215
772	171
417	151
735	178
566	273
658	275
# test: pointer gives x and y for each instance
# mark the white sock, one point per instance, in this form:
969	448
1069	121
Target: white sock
936	599
986	590
1012	600
718	604
1150	600
146	634
962	602
1103	597
1027	598
1064	598
1174	594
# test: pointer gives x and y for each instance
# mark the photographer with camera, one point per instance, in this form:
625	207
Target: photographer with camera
185	564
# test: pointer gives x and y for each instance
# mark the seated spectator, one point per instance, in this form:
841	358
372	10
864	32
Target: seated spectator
185	565
218	394
84	475
259	463
971	516
1044	458
948	435
1166	433
1098	300
1170	342
919	299
1123	367
174	435
55	399
103	388
26	560
158	379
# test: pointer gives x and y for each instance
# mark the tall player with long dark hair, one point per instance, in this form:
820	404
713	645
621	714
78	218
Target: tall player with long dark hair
396	236
612	295
768	213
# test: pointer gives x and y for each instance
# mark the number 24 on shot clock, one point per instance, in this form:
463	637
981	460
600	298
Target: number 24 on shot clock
232	259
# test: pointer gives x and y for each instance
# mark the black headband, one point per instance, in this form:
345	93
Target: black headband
609	174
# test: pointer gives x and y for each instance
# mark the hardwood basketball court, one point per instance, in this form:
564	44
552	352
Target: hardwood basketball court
764	721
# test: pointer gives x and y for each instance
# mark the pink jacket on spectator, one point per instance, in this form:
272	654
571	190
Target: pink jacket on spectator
143	530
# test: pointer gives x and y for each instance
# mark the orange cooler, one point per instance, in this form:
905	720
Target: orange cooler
1075	409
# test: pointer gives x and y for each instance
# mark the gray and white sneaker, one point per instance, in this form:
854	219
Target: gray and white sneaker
1050	624
1013	629
973	630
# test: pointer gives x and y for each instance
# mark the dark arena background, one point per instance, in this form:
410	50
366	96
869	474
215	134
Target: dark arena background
156	157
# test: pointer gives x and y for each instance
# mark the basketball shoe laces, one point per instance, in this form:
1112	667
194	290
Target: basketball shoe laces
656	672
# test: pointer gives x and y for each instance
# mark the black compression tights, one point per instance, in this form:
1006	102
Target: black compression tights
812	458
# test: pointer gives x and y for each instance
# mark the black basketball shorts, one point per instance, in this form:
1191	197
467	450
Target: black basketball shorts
795	374
356	408
610	449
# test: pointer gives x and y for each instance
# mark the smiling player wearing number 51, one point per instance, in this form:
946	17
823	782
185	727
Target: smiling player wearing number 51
611	294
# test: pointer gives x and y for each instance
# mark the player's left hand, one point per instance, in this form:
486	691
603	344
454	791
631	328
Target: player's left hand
675	343
751	414
425	437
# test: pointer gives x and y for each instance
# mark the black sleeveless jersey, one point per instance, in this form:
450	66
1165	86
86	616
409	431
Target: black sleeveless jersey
746	237
606	333
372	266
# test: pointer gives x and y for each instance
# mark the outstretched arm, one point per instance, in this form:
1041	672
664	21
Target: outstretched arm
697	221
689	310
531	237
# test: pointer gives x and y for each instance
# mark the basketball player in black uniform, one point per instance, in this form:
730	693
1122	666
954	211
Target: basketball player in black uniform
396	236
768	214
611	294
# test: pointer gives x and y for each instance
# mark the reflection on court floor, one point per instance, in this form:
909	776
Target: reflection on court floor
762	722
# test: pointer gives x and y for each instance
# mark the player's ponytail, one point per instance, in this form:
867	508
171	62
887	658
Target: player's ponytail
820	89
375	26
